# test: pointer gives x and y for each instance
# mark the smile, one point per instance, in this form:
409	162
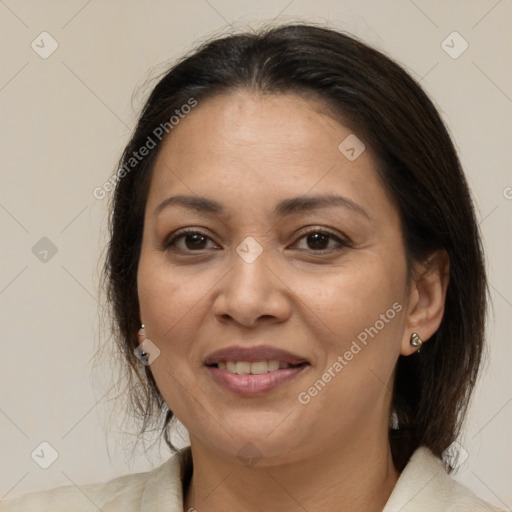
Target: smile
253	371
254	368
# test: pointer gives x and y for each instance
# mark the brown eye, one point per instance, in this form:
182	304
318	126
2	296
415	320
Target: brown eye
189	241
195	241
320	241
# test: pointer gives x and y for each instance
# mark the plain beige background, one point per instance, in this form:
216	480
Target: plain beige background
65	120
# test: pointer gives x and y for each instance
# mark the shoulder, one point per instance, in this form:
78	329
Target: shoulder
424	485
138	492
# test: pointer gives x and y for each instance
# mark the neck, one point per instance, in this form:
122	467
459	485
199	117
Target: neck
358	476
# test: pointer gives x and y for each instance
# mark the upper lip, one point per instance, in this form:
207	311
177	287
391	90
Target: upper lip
253	354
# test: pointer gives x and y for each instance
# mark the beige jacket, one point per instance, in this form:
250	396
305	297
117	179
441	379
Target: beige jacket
423	486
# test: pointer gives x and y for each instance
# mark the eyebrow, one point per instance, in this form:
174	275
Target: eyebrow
282	209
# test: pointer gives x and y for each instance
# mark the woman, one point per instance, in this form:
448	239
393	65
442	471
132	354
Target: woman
295	273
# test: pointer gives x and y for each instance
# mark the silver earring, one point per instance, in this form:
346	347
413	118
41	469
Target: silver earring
416	340
139	351
393	424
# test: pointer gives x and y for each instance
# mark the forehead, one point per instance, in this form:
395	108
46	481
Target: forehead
250	147
243	119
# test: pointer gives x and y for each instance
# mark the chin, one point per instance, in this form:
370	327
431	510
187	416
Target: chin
269	438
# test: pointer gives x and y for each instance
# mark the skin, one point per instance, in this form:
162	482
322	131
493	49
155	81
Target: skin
250	151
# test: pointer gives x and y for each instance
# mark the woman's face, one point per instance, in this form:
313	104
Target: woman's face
309	295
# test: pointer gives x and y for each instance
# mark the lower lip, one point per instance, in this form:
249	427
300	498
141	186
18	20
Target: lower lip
253	385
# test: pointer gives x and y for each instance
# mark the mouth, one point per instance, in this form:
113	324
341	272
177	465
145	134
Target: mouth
254	371
253	368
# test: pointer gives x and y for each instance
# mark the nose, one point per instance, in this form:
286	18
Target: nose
252	293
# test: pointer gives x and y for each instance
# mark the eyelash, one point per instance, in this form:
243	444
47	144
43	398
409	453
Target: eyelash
168	245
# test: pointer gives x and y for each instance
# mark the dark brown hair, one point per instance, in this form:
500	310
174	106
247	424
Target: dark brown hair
416	161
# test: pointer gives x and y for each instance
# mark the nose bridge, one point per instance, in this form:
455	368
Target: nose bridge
249	279
251	290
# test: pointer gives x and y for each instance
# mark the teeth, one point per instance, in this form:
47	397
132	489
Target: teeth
259	367
273	366
253	368
243	367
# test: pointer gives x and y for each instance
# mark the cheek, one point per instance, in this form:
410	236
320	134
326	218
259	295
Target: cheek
360	317
167	295
366	293
368	320
170	301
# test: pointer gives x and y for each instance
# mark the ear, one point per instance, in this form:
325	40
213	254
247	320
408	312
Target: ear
429	282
